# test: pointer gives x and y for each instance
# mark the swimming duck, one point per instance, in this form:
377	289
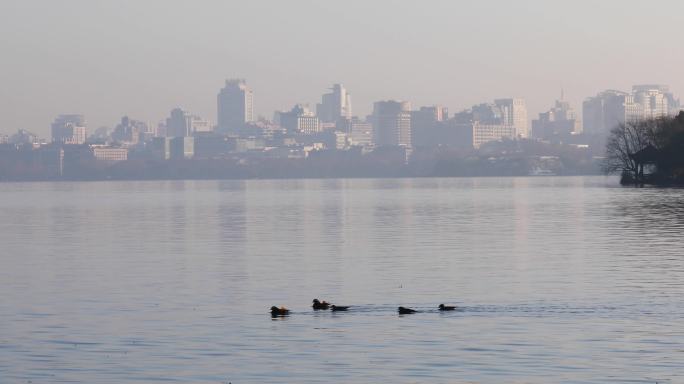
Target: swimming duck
282	311
406	311
443	307
320	304
336	308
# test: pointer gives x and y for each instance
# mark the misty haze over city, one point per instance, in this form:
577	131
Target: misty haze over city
300	191
109	59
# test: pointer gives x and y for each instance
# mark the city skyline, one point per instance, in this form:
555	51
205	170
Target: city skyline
636	98
123	60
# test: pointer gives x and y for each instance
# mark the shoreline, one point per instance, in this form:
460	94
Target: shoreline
617	184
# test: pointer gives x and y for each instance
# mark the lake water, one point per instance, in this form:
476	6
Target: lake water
571	280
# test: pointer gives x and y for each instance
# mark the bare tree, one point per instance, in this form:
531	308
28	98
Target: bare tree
658	142
624	141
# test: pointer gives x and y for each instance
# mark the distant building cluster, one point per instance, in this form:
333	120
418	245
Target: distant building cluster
558	122
609	108
69	129
301	131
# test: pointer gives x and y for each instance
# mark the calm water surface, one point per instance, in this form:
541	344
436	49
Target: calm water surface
559	280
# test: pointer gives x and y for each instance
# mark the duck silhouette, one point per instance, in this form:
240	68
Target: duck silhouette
406	311
320	304
337	308
282	311
443	307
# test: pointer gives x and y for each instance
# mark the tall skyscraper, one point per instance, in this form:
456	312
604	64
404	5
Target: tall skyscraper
235	106
335	105
69	129
177	124
392	123
182	124
606	110
514	112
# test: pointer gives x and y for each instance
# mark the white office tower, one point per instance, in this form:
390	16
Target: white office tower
654	101
514	112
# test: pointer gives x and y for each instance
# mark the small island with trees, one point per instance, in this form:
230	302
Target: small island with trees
647	152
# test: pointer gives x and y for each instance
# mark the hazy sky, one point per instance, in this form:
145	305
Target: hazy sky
141	58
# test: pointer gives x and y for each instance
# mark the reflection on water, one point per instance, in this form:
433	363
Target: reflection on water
558	280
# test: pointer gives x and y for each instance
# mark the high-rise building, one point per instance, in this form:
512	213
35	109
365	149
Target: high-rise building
177	124
335	105
556	123
197	124
341	140
438	112
392	123
360	133
504	119
161	147
182	148
235	106
606	110
424	124
182	124
69	129
299	119
655	101
514	112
